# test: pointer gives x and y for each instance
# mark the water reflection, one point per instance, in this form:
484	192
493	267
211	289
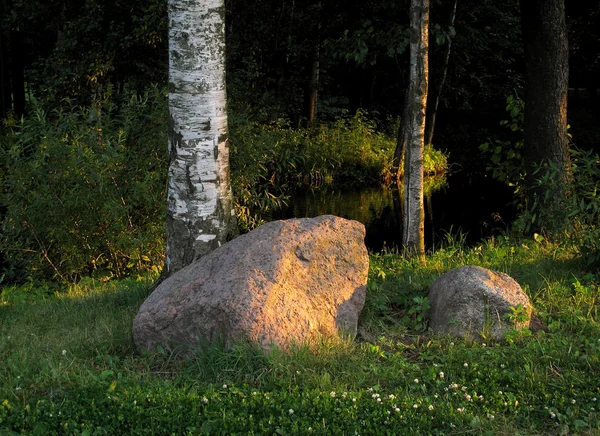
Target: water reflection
458	203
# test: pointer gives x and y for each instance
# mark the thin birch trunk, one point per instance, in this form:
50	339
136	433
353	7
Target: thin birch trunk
413	237
200	214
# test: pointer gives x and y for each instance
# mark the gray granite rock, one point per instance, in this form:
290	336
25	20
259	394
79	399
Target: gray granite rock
471	301
285	282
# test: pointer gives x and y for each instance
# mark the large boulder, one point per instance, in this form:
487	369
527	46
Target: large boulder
284	282
472	301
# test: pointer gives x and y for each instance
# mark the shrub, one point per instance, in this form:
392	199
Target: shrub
84	190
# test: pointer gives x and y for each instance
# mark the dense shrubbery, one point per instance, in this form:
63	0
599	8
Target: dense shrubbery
83	190
576	223
269	160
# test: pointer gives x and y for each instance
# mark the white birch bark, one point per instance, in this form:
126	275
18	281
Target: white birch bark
413	237
200	214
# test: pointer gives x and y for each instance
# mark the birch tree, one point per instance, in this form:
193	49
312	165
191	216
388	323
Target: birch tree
200	214
413	231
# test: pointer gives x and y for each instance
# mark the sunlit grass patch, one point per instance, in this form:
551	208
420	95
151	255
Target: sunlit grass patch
69	365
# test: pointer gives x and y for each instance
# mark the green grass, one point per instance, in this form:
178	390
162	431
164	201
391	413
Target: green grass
68	364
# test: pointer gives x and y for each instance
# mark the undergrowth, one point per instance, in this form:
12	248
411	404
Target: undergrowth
82	189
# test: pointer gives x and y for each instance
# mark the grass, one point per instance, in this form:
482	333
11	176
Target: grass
68	364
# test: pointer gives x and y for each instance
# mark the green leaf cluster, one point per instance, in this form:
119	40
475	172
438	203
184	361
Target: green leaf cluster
83	190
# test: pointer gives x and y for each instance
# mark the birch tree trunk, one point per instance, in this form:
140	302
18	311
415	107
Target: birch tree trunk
200	214
413	237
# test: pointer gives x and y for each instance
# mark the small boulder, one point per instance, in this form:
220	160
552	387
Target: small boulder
470	301
284	282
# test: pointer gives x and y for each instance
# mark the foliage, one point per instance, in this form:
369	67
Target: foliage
268	161
84	190
79	49
69	365
507	157
576	221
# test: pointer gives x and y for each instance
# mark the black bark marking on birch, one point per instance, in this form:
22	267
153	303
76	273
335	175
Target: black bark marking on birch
188	180
176	139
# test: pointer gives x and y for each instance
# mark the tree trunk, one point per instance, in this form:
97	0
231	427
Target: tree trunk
546	87
200	214
18	72
5	94
313	85
413	237
436	91
311	101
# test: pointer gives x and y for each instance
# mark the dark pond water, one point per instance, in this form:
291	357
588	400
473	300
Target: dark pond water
468	203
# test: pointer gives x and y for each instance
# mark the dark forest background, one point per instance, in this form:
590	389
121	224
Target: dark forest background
84	112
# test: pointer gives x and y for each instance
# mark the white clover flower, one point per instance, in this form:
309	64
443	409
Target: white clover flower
297	372
64	352
254	393
594	399
464	389
466	365
453	386
452	425
332	394
415	406
502	365
370	390
224	386
483	345
441	374
18	388
396	409
500	392
572	401
205	400
490	416
354	400
291	411
451	344
416	381
391	396
378	400
435	365
435	395
460	409
552	415
430	407
309	428
467	397
389	413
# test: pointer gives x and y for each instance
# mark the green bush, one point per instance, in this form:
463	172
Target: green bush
83	190
577	221
268	161
507	157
